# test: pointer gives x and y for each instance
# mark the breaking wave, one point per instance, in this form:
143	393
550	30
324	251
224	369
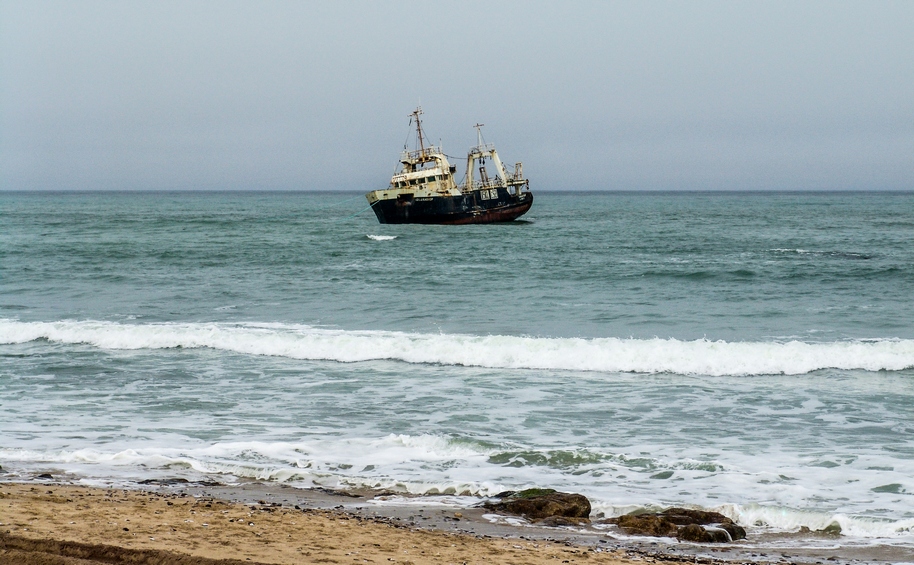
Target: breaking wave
390	464
706	357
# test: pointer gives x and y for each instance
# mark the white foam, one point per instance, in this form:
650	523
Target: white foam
386	463
787	519
784	519
717	358
381	237
785	250
431	465
431	500
509	520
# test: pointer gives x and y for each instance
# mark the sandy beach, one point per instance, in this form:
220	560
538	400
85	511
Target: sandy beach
78	525
50	523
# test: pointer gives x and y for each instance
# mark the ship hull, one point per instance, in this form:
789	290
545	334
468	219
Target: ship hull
463	209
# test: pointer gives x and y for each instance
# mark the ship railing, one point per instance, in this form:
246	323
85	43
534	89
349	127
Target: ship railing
420	153
480	185
482	149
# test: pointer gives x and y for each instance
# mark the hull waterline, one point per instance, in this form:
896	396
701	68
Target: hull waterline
450	210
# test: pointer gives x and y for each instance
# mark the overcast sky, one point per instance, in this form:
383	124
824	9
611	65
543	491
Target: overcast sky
589	95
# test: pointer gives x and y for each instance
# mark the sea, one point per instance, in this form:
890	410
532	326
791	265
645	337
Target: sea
749	353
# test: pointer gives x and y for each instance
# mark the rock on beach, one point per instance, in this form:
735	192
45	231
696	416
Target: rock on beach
683	524
547	505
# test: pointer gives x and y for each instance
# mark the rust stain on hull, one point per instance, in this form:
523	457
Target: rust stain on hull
502	215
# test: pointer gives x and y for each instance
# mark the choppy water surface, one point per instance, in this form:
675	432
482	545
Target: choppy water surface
751	353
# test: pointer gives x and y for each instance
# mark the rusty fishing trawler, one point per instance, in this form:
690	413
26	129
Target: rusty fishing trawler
424	190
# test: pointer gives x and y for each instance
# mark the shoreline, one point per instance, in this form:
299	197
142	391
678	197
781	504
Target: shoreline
168	516
57	523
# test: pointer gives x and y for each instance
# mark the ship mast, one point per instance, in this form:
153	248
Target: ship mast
416	115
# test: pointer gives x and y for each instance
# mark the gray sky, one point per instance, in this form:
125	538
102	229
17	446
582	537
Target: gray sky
589	95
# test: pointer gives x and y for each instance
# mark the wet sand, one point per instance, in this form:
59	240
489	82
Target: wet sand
77	525
48	523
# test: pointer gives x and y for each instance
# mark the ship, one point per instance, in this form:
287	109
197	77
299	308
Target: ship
424	189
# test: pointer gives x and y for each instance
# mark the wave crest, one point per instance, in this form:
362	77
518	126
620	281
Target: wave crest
706	357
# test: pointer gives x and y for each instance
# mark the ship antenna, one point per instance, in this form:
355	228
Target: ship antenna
478	134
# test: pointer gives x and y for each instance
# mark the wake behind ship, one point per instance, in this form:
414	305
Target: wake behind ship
424	191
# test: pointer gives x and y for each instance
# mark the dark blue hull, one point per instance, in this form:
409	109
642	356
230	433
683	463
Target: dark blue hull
465	209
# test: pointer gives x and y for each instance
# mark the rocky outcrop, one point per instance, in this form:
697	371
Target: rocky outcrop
645	525
552	507
683	524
